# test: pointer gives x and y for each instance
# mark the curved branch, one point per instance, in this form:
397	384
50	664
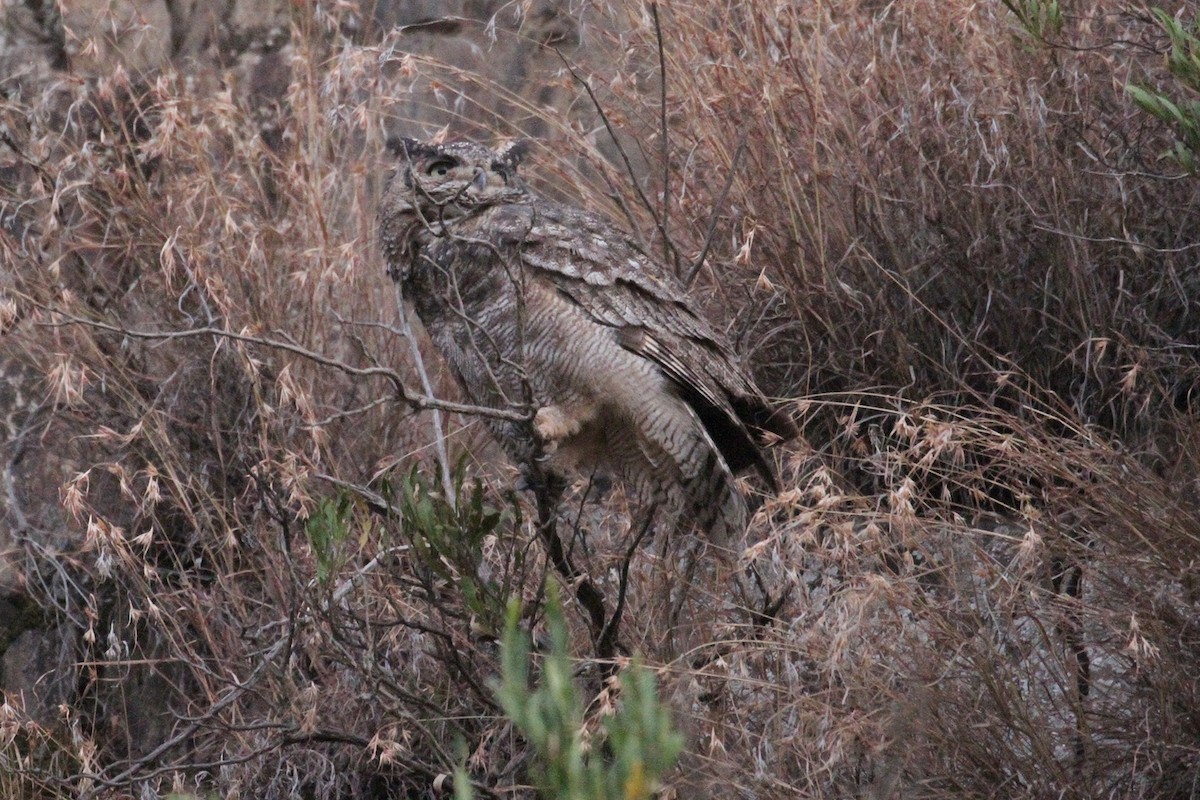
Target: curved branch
415	400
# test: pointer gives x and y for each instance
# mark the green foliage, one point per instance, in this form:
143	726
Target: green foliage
640	738
1184	58
1183	116
462	784
1041	19
328	529
448	538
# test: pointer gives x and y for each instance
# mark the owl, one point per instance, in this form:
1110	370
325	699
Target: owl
558	314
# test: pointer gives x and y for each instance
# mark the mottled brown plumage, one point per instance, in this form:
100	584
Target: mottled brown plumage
550	309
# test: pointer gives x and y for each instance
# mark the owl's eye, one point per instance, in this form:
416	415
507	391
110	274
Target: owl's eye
440	168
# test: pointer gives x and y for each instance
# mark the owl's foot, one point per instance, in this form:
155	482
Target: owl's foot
552	425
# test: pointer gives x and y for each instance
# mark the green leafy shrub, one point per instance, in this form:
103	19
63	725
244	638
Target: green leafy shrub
639	745
1182	115
327	529
448	538
1041	19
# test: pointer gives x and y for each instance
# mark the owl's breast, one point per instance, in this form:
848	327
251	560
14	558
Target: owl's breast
452	278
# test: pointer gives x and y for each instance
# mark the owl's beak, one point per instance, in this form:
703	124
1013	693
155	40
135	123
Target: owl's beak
480	181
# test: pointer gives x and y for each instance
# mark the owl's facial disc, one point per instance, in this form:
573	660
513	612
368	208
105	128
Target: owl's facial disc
461	176
441	179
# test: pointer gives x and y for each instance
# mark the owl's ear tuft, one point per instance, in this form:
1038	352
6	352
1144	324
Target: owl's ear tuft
513	153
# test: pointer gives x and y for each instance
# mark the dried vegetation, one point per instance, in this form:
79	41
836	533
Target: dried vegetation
950	240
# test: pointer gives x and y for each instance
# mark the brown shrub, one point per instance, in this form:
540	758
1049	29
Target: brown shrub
953	245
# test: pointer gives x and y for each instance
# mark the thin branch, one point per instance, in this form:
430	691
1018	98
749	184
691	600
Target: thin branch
665	140
612	133
607	642
420	402
350	412
548	491
185	733
716	210
439	432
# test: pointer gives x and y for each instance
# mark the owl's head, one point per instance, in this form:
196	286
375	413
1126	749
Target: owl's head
452	179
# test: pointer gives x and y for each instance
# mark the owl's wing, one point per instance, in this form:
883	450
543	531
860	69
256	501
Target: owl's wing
599	269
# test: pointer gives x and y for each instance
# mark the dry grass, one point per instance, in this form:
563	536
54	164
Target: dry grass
952	245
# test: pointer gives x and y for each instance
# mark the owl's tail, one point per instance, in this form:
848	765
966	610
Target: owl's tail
713	506
701	495
681	480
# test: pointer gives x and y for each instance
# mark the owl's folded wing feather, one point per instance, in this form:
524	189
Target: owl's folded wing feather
597	268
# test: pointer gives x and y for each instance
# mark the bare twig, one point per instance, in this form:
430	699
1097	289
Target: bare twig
665	140
608	643
612	133
415	400
548	490
435	414
185	733
716	211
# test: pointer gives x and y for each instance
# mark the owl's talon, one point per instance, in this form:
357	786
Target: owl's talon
551	425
